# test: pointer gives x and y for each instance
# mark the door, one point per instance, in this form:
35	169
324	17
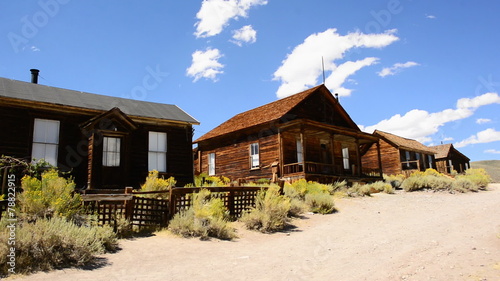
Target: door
112	175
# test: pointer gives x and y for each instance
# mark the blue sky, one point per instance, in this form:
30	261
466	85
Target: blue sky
426	70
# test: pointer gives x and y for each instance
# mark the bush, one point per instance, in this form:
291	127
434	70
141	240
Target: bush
430	179
478	176
320	202
270	212
207	217
54	243
48	197
381	186
155	183
394	180
337	186
464	185
359	190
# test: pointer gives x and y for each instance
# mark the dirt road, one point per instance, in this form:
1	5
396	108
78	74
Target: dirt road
405	236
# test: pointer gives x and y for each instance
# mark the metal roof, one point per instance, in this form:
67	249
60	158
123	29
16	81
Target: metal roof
46	94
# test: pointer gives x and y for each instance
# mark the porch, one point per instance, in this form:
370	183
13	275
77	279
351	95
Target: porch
325	153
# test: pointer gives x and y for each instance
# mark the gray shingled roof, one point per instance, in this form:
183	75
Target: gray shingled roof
41	93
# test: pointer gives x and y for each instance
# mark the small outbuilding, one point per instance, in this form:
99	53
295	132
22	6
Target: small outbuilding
449	159
400	155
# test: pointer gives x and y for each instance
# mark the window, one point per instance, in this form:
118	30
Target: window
407	153
45	140
345	157
254	156
211	164
430	161
300	151
111	152
157	153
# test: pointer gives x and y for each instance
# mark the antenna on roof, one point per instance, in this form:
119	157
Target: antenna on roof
323	66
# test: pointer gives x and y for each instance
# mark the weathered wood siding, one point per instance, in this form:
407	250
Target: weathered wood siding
390	156
232	157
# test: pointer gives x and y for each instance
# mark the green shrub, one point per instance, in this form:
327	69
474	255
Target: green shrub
478	176
54	243
359	190
207	217
464	185
270	212
337	186
48	197
381	186
430	179
320	202
155	183
394	180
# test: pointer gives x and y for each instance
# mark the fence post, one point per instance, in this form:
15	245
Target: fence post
230	204
129	204
171	203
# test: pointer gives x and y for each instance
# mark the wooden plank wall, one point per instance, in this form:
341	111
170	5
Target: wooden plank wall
391	163
232	160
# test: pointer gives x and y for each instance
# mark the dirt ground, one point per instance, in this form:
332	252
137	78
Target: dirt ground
404	236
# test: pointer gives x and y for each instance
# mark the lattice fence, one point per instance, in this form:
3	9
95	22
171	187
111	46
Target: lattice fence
149	212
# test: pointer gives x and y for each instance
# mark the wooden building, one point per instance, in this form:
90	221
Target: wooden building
307	135
103	141
449	159
400	155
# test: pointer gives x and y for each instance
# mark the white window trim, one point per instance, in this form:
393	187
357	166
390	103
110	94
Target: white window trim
211	164
254	157
41	142
158	153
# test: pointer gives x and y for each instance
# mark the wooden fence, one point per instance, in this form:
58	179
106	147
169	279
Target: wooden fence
112	205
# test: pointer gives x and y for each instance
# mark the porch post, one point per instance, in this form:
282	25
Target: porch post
302	142
379	158
280	153
358	158
332	146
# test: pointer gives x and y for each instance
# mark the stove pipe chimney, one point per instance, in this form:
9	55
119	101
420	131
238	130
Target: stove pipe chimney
34	76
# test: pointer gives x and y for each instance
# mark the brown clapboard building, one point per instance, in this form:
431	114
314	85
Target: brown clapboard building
399	155
449	159
307	135
102	141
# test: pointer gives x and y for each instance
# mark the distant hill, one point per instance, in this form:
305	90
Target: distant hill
492	167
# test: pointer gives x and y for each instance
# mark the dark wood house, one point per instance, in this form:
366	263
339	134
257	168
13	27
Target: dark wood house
307	135
449	159
103	141
400	155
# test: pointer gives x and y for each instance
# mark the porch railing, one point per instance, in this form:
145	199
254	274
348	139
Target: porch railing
326	169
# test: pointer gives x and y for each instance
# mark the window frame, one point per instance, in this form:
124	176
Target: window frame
254	156
159	152
345	158
211	164
40	142
114	152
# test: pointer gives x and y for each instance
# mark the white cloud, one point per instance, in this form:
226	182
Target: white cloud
430	16
482	120
34	49
396	68
420	124
205	64
214	15
245	34
488	135
493	151
302	67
